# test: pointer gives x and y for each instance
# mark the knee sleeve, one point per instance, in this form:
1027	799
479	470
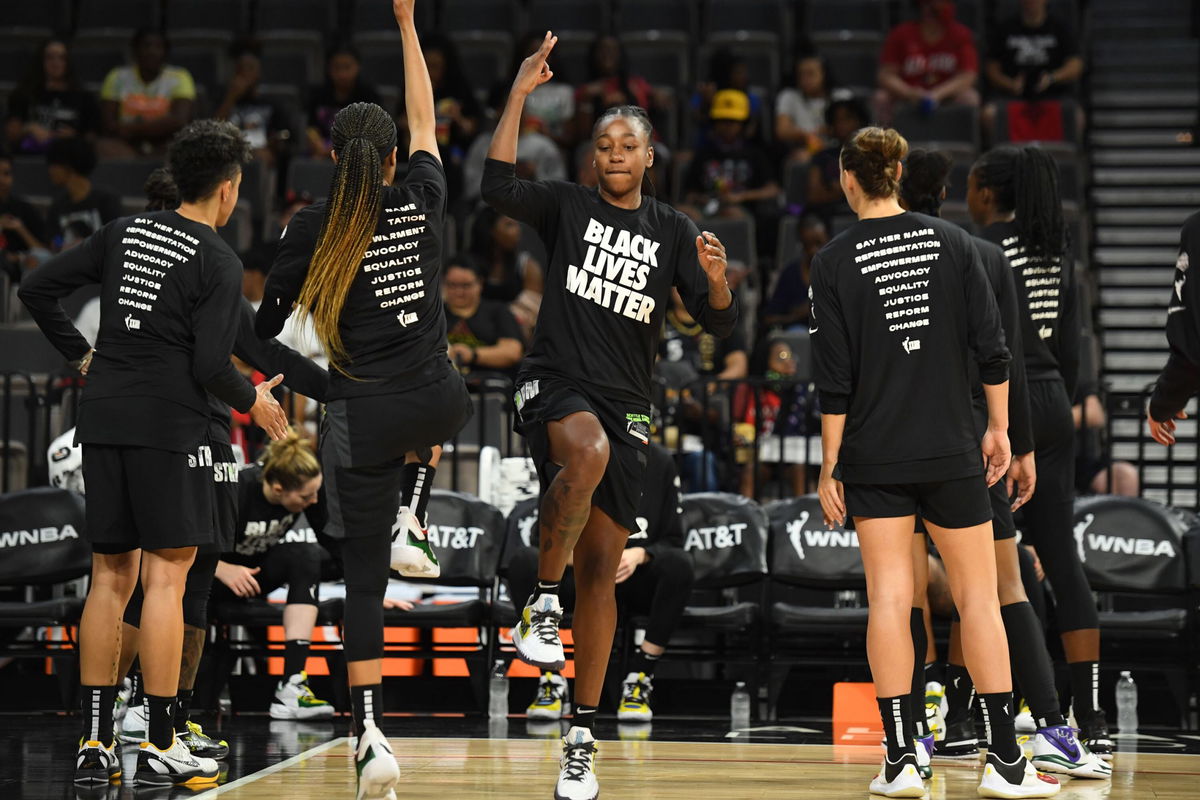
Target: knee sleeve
199	585
367	562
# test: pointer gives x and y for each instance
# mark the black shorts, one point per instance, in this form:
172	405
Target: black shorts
542	400
957	503
1003	526
225	498
140	497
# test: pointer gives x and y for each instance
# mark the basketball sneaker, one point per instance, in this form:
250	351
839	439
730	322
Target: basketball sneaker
1024	721
375	765
1015	781
899	778
553	699
121	703
97	763
1093	734
536	636
577	781
1057	749
935	713
294	700
175	765
412	556
133	727
961	740
635	698
201	744
924	747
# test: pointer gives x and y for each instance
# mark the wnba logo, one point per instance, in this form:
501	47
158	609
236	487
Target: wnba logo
910	345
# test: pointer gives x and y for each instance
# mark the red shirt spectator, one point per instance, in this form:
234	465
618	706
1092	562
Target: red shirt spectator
928	64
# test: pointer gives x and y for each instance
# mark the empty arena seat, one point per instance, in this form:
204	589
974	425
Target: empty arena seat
585	16
640	16
951	128
230	17
117	15
759	16
480	15
125	176
318	16
37	21
738	236
846	20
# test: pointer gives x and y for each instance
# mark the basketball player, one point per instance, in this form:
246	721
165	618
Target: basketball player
169	286
1179	380
898	299
365	268
583	391
1012	193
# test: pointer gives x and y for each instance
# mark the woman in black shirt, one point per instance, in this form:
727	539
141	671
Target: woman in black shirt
365	268
1013	194
897	299
583	391
49	103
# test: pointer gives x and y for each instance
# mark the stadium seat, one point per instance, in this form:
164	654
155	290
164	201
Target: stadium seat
505	16
292	56
37	21
238	232
1066	112
485	55
954	129
313	16
125	176
208	66
16	57
758	16
31	178
738	237
853	65
579	16
570	57
661	57
643	16
846	20
795	183
228	17
125	16
310	175
971	13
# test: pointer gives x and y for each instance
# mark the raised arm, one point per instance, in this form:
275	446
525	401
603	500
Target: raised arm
418	92
533	73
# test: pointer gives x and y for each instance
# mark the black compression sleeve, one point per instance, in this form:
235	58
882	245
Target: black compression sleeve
214	337
985	334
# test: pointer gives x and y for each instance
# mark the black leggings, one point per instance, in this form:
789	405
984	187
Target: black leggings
1050	515
366	561
195	596
659	589
296	565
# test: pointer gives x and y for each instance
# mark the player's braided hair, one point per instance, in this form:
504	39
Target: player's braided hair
640	121
290	462
924	180
363	136
1024	181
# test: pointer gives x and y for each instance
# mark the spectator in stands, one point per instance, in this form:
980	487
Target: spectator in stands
483	335
928	62
609	83
22	230
70	162
49	103
825	196
726	70
800	107
538	155
654	578
262	121
1033	54
511	275
344	85
789	305
142	105
683	339
730	175
459	114
773	418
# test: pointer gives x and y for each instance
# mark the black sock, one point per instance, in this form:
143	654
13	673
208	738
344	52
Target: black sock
415	488
295	655
998	719
896	713
585	717
959	689
138	694
96	705
161	725
1031	662
916	624
183	710
367	702
1085	689
644	662
936	673
545	587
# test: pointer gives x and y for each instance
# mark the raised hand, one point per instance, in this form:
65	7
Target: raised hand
534	70
711	255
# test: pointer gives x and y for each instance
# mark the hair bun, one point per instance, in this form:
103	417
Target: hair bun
886	142
873	155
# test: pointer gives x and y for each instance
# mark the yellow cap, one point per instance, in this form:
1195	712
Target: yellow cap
730	104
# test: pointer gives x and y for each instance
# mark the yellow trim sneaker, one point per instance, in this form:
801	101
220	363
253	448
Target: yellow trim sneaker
536	636
635	698
375	765
173	766
294	700
121	702
201	744
553	700
97	763
1015	781
577	780
412	556
1024	721
899	779
935	715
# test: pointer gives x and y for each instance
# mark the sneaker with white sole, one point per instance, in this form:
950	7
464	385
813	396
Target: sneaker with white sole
1015	781
121	703
375	765
577	780
294	700
173	766
1093	734
97	763
961	740
1023	721
133	727
536	636
635	698
899	779
412	556
553	699
935	714
1058	750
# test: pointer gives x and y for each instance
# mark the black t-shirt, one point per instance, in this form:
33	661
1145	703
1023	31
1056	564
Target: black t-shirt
56	110
1022	50
719	167
392	325
168	290
259	119
608	282
490	323
1180	377
94	211
689	342
262	524
897	304
1050	323
11	242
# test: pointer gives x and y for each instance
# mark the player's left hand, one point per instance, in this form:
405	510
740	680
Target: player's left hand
404	9
711	255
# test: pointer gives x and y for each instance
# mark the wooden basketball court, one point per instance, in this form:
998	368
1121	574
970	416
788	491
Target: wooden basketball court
466	769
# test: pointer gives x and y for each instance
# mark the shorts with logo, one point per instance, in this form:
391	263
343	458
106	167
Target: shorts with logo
225	498
141	497
955	503
545	399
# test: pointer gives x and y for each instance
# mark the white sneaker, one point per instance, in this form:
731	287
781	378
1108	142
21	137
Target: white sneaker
1059	750
536	636
376	765
935	709
553	699
1023	780
1024	721
174	766
577	781
121	703
294	700
899	779
635	698
412	556
133	727
97	763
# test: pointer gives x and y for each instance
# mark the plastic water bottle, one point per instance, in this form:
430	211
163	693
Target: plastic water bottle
498	691
739	706
1127	715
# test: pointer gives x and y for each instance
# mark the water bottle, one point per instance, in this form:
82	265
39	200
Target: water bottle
498	691
1127	716
739	706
